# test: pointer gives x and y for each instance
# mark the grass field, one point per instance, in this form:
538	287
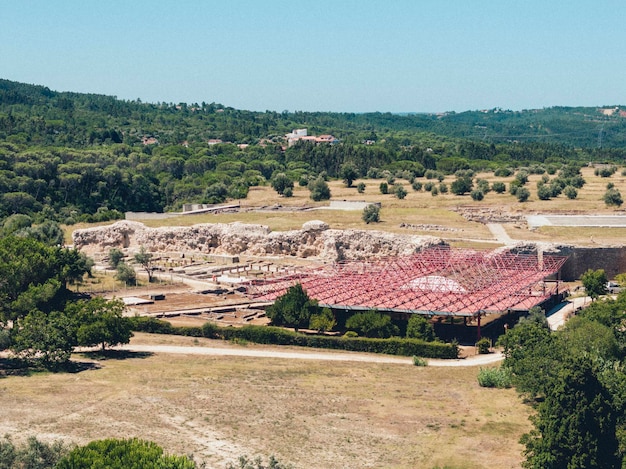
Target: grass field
312	414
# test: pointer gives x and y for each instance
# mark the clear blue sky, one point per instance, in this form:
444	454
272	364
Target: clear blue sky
353	56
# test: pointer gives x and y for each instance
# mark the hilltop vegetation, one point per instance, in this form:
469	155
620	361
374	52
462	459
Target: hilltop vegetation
86	157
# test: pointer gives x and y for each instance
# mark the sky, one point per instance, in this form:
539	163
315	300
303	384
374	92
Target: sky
340	56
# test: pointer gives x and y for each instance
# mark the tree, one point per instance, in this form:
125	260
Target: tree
575	426
360	187
100	322
533	354
293	309
126	274
115	257
123	454
613	198
498	187
372	324
280	182
570	192
461	185
419	327
348	173
522	194
371	214
44	340
33	454
399	191
594	282
384	188
477	195
319	189
323	321
144	258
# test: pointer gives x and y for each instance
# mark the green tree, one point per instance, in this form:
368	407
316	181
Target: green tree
281	182
123	454
126	274
533	354
145	259
498	187
319	189
293	309
100	322
115	257
371	214
522	194
418	327
348	173
399	191
33	454
575	427
45	340
322	321
613	198
594	282
461	185
372	324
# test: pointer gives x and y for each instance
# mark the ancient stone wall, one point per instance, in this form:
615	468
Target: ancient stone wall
315	239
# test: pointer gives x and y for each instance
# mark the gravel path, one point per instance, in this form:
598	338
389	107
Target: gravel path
477	360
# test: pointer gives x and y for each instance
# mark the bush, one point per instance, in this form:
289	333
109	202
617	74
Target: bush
5	339
477	195
371	214
384	188
319	189
419	361
495	378
288	192
360	188
498	187
428	187
483	346
522	194
613	198
418	327
399	191
417	186
570	192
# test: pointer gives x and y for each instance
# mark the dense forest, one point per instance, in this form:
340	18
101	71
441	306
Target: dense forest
69	156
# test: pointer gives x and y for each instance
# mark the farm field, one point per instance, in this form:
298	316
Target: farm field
312	414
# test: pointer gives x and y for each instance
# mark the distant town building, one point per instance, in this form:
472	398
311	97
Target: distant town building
299	135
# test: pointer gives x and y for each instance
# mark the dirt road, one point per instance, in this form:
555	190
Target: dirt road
248	351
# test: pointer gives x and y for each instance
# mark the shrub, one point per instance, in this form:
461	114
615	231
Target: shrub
418	327
350	335
613	198
522	194
502	172
210	330
384	188
371	214
319	189
495	377
477	195
443	188
360	188
570	192
428	187
372	324
498	187
419	361
483	345
399	191
288	192
417	186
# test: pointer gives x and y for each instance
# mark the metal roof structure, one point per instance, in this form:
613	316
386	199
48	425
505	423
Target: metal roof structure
436	281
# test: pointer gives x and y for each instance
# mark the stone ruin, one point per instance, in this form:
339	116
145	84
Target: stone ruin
314	240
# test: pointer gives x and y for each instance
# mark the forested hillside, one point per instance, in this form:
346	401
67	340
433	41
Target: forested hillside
71	156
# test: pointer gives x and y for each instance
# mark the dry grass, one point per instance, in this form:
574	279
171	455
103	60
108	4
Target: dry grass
312	414
419	208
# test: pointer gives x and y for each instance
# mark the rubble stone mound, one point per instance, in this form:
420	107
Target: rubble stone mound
315	239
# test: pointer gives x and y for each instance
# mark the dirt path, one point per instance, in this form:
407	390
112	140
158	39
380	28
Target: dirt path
477	360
